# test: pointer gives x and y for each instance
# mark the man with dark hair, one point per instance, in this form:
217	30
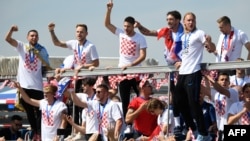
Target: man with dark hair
84	51
32	56
231	41
132	52
102	113
87	93
223	97
172	35
12	133
144	122
130	20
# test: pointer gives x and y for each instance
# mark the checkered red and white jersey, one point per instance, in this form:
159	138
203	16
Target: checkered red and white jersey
29	69
236	108
129	47
51	118
83	54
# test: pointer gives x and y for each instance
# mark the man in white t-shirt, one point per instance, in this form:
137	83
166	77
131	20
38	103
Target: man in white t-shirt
172	52
52	111
132	52
106	113
239	79
85	52
89	124
222	97
187	90
30	73
239	111
230	42
87	119
171	34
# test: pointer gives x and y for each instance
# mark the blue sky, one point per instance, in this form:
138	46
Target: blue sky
36	14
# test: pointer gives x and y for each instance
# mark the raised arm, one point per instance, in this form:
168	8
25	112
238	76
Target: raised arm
9	38
55	40
107	23
144	30
77	101
25	97
207	88
218	87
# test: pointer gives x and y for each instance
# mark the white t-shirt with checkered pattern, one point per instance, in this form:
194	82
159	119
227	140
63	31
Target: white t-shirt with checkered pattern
51	118
29	73
234	97
88	51
110	114
129	47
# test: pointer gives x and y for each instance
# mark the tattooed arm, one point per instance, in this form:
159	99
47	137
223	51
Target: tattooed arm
55	40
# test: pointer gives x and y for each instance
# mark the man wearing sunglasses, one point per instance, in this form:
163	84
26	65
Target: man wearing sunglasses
106	113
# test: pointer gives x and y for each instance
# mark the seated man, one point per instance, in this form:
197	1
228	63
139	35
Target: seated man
12	133
144	122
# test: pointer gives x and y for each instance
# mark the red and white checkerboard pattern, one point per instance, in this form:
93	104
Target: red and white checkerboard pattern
245	119
128	47
48	120
79	60
157	83
143	79
220	106
104	120
32	66
98	81
114	80
211	73
89	113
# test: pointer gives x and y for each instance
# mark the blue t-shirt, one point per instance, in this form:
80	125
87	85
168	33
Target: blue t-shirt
209	114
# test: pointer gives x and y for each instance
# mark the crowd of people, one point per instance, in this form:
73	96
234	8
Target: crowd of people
197	111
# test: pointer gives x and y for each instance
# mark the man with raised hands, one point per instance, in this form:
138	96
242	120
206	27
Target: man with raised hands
132	51
104	112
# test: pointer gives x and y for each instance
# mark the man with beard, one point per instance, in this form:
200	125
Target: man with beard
132	52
